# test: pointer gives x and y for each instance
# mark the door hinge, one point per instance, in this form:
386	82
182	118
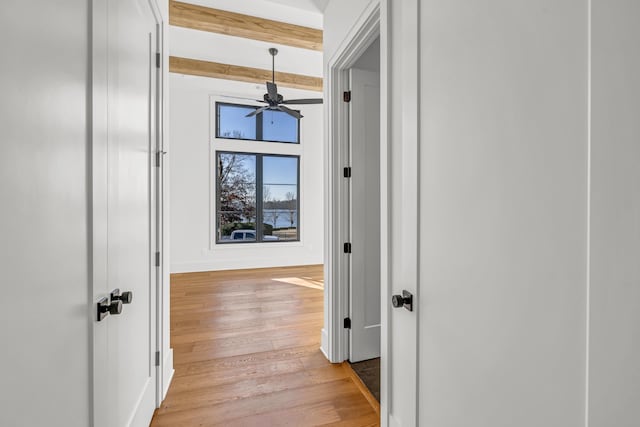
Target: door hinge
347	248
347	323
158	155
157	259
346	96
347	172
158	59
157	358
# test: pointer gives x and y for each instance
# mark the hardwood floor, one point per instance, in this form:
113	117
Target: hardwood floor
246	353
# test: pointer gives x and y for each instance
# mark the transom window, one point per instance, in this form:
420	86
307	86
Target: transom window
268	126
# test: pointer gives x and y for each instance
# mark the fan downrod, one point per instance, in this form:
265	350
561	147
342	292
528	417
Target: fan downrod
273	51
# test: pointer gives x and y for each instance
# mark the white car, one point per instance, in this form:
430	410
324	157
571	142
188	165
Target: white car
248	236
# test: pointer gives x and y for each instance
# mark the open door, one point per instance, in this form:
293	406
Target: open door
364	295
124	212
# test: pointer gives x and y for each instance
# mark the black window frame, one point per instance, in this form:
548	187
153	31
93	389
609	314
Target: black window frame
259	126
259	198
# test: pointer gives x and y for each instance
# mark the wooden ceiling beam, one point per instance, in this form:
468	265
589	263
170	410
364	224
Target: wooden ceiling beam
196	67
235	24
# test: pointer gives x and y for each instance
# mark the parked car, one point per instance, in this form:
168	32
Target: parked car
249	236
243	235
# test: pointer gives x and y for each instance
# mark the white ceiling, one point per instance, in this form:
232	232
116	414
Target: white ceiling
308	5
299	12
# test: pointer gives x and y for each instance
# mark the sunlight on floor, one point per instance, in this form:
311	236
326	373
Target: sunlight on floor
306	282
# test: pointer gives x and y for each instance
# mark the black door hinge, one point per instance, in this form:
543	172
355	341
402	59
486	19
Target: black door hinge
157	358
158	155
346	96
158	59
347	323
157	259
347	172
347	248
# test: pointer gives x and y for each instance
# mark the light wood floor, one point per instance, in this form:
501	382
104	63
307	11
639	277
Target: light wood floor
246	353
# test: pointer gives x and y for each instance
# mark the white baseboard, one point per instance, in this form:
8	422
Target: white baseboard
241	264
167	372
324	344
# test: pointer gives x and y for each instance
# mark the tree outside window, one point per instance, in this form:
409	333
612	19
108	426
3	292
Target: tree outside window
257	197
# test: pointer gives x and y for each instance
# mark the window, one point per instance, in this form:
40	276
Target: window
269	126
257	197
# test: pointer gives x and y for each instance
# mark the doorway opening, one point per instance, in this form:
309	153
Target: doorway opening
355	279
364	217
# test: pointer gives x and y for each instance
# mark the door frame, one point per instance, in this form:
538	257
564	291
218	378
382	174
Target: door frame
163	378
372	23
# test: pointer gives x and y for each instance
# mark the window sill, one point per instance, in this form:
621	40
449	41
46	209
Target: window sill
216	247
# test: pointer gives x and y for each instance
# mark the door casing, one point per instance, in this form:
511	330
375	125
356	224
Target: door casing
335	339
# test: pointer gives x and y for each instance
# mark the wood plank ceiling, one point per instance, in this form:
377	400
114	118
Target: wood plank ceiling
235	24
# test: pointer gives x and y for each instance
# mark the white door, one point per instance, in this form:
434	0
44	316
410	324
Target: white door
364	298
503	221
125	117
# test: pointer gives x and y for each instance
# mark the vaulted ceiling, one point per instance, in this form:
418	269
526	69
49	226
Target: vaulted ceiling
229	39
308	5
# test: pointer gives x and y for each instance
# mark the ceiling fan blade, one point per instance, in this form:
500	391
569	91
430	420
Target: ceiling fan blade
303	101
257	111
272	90
290	112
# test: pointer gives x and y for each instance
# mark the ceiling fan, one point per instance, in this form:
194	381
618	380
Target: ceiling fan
274	100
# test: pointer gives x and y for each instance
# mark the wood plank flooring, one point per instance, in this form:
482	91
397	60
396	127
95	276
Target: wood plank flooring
246	353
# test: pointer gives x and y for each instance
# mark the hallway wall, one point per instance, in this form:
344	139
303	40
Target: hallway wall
45	320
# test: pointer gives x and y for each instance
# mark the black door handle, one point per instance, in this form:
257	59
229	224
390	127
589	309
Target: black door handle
105	308
126	297
405	300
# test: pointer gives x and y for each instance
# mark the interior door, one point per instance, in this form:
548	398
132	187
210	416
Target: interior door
503	222
364	298
125	116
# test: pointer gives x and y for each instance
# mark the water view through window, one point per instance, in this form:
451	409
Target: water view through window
258	197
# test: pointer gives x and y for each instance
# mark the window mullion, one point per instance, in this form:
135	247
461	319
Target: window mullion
259	197
259	126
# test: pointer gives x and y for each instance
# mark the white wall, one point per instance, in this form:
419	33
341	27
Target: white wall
614	357
45	319
339	17
192	142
